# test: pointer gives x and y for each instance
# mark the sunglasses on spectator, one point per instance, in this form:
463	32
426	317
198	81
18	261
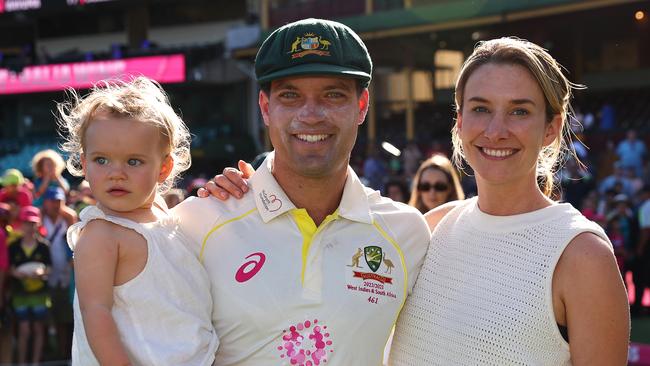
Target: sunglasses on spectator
439	187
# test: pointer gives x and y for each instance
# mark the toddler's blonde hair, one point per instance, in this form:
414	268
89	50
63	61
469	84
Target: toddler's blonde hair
139	99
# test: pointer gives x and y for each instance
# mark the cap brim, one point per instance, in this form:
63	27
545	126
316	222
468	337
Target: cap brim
315	69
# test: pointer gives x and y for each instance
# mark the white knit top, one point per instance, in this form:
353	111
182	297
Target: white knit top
163	315
484	296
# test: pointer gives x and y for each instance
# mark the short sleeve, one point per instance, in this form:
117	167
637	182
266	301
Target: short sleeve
196	217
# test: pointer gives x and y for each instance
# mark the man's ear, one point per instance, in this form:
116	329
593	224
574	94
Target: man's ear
263	101
364	103
166	168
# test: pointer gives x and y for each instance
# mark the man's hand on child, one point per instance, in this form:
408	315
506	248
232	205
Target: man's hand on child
231	182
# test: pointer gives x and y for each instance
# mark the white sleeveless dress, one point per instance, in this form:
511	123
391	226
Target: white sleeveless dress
164	314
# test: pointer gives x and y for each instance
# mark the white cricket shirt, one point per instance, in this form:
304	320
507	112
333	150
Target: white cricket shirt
289	293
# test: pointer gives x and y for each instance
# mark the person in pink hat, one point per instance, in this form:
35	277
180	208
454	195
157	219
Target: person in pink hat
30	263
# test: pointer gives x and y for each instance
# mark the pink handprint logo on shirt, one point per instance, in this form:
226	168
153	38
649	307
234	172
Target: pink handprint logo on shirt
306	344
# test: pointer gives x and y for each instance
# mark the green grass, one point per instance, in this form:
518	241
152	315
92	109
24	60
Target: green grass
640	330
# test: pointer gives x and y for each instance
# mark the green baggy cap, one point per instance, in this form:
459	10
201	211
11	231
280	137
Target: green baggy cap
313	47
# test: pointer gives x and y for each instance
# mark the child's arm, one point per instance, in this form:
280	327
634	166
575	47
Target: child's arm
43	184
95	262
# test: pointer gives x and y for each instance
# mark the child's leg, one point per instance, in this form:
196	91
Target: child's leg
22	313
39	316
23	337
39	332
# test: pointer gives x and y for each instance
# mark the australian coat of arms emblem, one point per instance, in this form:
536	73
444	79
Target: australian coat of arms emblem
310	44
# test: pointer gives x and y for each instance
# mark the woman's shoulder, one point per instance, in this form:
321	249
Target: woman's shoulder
588	249
434	216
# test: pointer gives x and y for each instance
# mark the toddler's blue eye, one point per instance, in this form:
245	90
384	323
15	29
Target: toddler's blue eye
134	162
101	161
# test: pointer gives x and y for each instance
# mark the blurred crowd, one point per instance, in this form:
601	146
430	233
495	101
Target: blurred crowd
36	270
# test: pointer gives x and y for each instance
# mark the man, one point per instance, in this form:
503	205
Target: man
311	266
632	152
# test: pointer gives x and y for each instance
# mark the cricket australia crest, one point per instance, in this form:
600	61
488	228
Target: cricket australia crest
309	44
373	255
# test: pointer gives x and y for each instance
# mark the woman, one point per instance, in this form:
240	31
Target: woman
512	277
435	182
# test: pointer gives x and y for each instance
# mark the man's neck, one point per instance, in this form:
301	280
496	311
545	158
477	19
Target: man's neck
319	196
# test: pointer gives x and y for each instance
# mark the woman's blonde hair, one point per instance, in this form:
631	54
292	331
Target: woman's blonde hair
557	91
443	164
37	162
139	99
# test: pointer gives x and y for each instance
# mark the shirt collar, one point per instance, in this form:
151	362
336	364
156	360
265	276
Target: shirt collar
354	203
271	201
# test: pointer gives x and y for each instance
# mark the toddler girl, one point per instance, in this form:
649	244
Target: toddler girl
142	296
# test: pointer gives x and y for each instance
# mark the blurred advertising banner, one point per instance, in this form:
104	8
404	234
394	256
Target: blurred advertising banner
8	6
80	75
639	354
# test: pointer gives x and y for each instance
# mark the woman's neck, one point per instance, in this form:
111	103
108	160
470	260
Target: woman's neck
510	199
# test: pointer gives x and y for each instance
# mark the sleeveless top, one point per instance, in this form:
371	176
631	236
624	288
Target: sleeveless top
484	293
59	253
163	315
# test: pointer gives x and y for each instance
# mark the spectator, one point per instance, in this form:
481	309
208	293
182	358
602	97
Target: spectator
6	326
627	224
374	170
84	197
57	217
30	262
412	157
15	194
47	166
576	183
606	201
396	190
436	182
617	178
606	161
631	152
607	117
615	235
641	264
636	182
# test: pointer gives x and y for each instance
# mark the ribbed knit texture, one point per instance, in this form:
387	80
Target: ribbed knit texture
484	296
